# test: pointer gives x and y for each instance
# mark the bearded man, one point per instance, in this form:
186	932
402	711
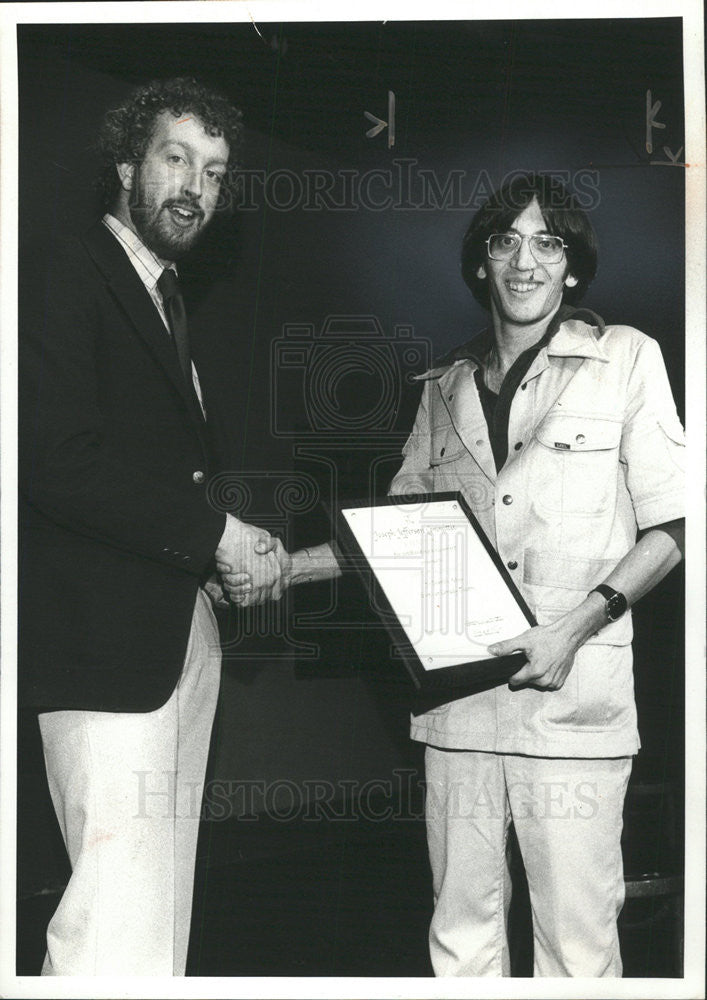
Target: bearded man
118	644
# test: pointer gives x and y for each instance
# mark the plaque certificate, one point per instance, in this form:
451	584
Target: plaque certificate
439	586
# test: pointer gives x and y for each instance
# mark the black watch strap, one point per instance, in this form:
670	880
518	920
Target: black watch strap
616	603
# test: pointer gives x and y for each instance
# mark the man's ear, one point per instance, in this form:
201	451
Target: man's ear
481	272
126	175
571	281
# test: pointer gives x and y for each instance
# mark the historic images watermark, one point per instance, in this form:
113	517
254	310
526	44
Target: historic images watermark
400	797
404	186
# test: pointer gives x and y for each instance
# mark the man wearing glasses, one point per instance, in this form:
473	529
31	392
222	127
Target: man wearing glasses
562	435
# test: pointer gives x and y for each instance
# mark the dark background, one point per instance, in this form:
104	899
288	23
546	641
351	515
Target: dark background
309	691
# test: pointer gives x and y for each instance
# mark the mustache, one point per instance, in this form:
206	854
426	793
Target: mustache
188	206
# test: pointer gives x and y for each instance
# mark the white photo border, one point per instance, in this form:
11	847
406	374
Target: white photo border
262	11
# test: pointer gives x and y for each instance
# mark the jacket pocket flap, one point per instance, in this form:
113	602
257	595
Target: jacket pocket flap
577	432
445	446
671	426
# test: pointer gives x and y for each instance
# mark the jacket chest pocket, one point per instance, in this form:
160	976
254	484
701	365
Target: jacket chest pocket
453	468
575	467
445	446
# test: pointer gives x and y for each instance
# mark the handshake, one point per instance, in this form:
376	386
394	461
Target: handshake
255	567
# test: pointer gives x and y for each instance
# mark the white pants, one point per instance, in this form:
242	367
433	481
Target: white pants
127	790
568	818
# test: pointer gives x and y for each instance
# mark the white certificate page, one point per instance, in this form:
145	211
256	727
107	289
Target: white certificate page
438	578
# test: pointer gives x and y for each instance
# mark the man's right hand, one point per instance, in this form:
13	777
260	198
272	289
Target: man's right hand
304	566
239	585
237	548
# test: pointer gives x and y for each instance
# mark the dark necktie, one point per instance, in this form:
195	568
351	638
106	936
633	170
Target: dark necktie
176	315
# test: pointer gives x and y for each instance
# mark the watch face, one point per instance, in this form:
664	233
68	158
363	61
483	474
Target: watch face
615	607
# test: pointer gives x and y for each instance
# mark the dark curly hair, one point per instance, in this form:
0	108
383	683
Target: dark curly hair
562	215
126	131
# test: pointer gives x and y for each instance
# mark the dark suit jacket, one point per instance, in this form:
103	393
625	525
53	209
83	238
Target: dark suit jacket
115	528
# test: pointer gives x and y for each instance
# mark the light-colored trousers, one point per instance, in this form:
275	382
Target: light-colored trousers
127	790
568	819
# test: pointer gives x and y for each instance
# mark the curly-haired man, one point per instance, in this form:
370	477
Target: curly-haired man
122	660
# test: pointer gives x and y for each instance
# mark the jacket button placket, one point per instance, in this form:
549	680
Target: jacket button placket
509	516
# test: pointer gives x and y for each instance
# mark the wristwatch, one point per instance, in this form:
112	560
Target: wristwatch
616	603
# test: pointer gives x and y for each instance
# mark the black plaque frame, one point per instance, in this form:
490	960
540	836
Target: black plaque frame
460	676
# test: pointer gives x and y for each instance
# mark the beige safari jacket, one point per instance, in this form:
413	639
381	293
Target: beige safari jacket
596	451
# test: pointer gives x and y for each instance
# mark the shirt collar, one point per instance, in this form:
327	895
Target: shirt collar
566	336
148	266
574	340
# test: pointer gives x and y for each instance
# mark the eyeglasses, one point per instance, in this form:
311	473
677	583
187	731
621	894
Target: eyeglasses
545	249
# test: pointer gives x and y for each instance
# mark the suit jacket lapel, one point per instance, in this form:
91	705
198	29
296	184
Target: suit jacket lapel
135	300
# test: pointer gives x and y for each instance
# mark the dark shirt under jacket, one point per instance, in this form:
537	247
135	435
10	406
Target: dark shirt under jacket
497	406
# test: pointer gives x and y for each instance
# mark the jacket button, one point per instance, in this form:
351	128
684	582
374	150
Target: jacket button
198	476
580	439
480	443
507	499
512	564
524	386
518	445
442	452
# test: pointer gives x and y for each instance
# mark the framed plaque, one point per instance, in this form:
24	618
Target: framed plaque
437	584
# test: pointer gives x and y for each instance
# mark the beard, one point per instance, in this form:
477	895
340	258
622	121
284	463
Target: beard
161	229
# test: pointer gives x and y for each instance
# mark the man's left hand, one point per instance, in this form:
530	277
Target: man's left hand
550	654
215	591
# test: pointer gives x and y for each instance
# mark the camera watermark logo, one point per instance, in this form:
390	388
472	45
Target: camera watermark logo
344	380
